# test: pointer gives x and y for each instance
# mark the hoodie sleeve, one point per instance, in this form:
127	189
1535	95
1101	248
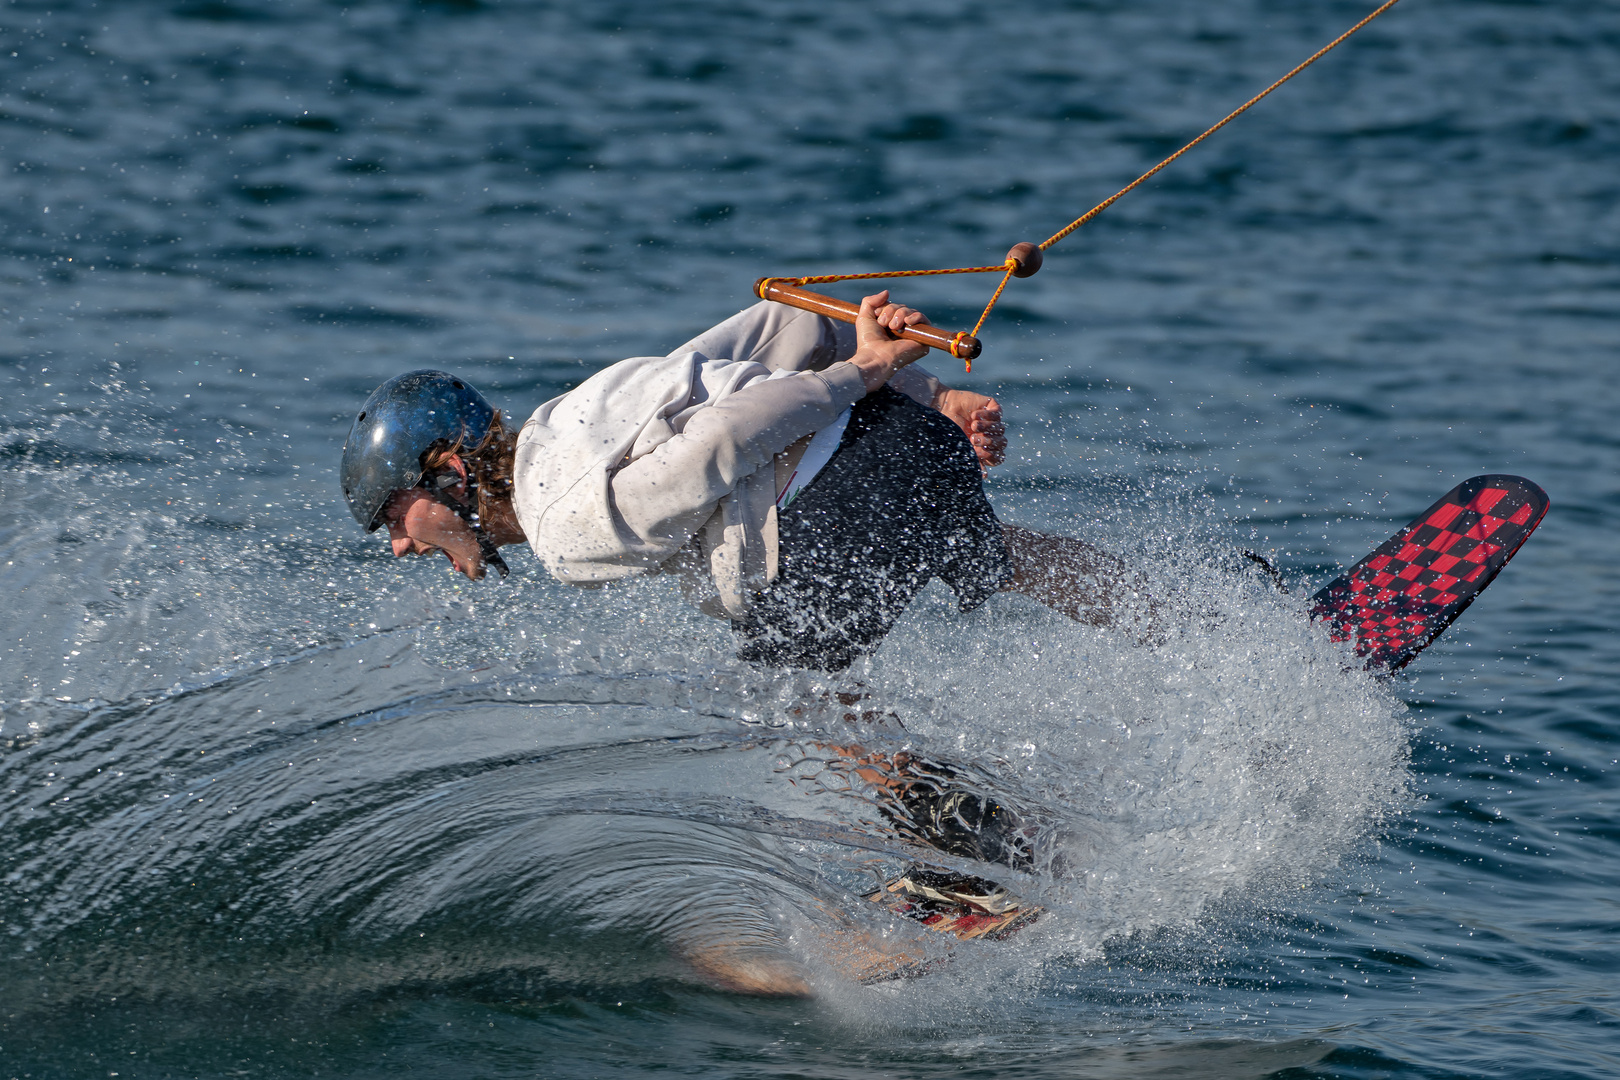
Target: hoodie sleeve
917	385
665	496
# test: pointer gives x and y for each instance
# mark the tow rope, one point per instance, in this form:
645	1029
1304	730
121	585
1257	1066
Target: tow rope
1022	261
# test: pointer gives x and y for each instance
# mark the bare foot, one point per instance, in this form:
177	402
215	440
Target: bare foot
740	969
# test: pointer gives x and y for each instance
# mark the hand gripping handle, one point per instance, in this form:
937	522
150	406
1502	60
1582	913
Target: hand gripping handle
963	346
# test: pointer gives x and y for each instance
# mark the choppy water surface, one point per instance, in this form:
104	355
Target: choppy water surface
276	805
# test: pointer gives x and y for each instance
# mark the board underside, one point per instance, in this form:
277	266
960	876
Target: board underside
1398	599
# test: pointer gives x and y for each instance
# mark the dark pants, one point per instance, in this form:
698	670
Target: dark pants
899	504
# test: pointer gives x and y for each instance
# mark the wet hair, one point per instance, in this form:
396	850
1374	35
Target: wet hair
489	461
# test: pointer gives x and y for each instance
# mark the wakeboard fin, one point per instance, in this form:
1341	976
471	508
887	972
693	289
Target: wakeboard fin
1398	599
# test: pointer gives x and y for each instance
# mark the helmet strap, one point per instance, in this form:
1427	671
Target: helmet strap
466	512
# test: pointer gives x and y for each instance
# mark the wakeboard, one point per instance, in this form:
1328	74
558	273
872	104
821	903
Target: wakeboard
966	907
1397	600
1392	605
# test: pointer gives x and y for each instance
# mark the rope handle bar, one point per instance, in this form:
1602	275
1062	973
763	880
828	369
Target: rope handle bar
962	345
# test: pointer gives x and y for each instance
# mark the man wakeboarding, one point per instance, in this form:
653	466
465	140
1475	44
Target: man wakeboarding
806	483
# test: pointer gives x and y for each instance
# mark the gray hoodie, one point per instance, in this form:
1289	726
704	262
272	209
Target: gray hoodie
660	462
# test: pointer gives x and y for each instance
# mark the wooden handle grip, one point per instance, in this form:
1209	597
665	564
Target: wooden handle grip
961	346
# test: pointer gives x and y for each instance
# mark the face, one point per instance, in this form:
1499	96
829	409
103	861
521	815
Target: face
419	524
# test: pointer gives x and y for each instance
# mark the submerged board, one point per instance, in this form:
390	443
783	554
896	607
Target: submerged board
969	907
1392	604
1398	599
964	906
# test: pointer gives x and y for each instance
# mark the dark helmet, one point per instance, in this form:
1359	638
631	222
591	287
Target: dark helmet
403	417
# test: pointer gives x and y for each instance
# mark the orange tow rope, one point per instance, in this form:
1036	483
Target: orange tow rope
1024	259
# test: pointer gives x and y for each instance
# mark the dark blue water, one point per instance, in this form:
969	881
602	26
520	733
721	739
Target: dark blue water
276	805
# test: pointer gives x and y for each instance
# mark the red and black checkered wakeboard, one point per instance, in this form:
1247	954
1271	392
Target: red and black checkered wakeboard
1392	604
1397	600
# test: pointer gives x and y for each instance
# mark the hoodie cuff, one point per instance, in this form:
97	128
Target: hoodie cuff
844	383
917	385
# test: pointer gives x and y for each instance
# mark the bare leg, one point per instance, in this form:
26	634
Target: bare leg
1073	578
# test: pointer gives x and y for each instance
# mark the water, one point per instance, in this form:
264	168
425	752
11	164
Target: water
277	805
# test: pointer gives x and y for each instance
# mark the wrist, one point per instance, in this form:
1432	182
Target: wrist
875	371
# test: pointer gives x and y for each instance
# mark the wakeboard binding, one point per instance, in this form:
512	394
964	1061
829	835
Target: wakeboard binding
965	906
